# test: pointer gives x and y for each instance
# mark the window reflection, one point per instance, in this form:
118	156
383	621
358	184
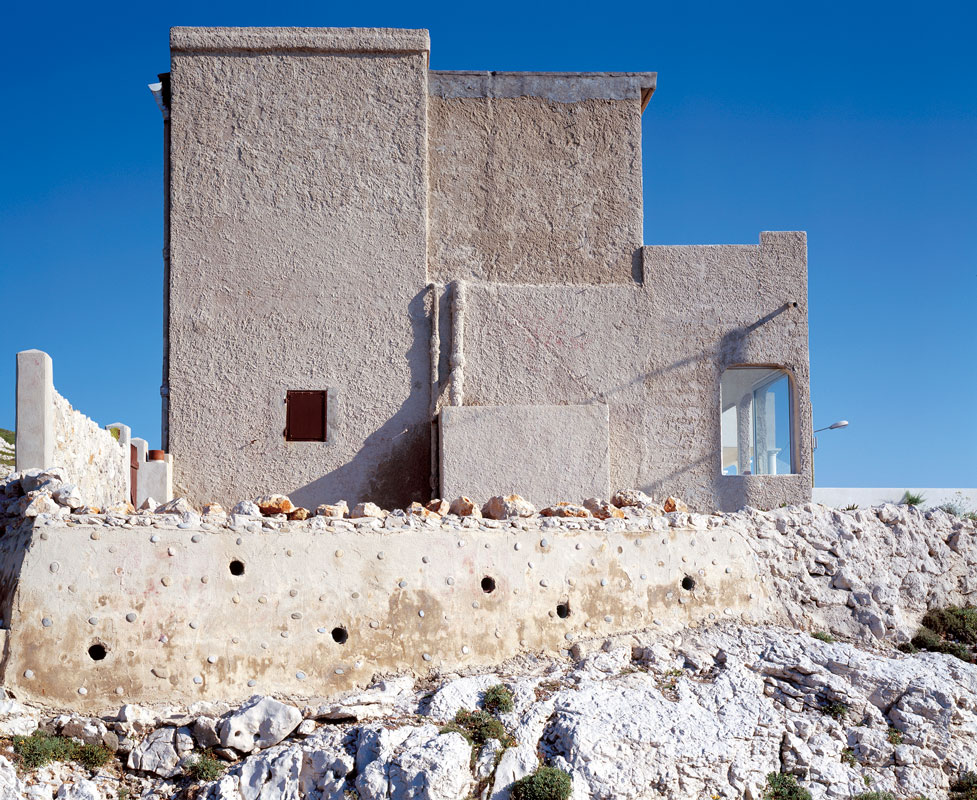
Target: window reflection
756	427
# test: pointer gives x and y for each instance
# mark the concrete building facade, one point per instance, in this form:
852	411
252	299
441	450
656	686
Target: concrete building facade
445	273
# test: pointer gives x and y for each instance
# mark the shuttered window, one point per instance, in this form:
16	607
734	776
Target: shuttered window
305	416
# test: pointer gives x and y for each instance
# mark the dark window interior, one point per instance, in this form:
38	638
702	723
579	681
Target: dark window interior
305	416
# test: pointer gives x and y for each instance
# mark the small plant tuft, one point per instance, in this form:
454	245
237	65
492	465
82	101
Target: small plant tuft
482	726
824	636
498	699
876	795
546	783
912	499
851	507
784	787
205	767
965	787
895	737
836	710
92	756
848	757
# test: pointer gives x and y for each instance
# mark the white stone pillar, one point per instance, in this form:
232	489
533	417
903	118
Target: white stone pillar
35	410
744	433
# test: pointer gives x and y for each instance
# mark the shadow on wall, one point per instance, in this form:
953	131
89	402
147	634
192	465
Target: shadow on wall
401	474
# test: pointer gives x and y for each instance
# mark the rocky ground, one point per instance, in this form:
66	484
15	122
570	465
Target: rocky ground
817	690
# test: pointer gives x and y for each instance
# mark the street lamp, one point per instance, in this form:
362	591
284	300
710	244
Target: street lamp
842	423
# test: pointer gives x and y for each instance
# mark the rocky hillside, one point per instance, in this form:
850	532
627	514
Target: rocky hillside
842	692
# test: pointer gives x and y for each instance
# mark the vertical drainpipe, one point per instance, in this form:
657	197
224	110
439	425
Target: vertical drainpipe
161	91
457	356
435	356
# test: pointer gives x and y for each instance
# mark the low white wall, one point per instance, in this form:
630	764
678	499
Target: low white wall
965	499
50	433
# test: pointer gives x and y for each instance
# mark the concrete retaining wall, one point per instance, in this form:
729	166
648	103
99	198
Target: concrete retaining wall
224	612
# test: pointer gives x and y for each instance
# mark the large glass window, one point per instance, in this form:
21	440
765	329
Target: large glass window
756	427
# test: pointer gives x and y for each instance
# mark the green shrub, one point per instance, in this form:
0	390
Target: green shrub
205	768
836	710
546	783
965	787
912	499
42	748
92	756
784	787
895	737
498	699
824	636
482	726
950	630
848	757
875	796
956	623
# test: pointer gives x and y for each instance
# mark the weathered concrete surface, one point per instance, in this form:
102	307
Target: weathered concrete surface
654	354
298	215
176	623
530	189
563	452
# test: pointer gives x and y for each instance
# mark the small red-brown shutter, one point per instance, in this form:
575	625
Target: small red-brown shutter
133	473
305	416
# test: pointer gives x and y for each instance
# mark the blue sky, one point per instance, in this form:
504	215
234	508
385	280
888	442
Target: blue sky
856	122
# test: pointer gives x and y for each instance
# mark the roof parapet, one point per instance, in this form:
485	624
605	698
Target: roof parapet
563	87
304	40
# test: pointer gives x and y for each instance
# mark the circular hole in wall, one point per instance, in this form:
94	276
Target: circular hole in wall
340	635
237	567
488	585
563	609
97	652
688	583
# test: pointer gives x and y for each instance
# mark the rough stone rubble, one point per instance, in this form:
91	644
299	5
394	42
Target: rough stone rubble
703	713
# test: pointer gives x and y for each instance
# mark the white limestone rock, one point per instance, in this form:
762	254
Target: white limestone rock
17	719
463	693
178	505
246	508
11	787
258	724
412	764
81	790
161	752
68	495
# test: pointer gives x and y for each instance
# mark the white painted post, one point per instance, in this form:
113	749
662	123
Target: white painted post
35	410
125	436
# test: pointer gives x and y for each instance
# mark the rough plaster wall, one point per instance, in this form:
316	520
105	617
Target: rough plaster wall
298	260
654	354
93	459
544	453
532	190
162	601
